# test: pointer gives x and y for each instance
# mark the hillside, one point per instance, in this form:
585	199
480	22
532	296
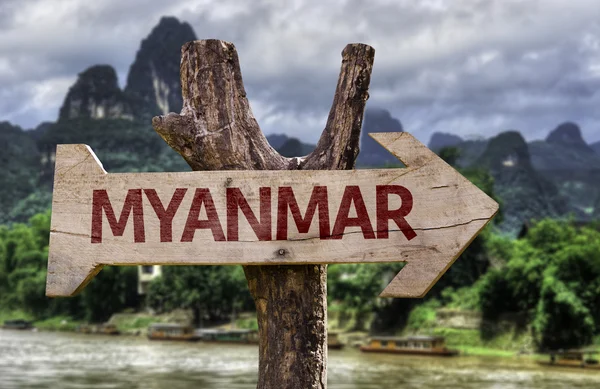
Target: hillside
20	162
525	193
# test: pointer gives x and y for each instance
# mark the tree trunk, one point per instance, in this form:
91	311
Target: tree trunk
217	131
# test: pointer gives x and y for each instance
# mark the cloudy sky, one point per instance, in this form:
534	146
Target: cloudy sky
470	67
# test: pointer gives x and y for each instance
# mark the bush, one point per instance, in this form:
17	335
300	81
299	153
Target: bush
423	317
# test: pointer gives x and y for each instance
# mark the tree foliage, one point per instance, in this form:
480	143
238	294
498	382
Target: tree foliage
212	292
23	266
553	276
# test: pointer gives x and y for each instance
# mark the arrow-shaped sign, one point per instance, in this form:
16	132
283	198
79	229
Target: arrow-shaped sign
425	215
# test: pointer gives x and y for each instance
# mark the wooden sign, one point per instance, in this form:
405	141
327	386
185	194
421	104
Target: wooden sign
424	215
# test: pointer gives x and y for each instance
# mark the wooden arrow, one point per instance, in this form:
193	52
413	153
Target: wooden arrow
425	215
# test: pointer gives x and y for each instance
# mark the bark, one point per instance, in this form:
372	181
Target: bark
217	131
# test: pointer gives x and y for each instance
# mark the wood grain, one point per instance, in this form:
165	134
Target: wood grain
447	213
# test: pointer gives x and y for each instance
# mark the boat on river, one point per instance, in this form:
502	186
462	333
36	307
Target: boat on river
417	345
18	324
581	358
172	331
217	335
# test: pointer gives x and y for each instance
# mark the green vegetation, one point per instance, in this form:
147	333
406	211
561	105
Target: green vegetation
423	317
58	323
27	159
508	341
552	275
213	293
133	321
121	145
250	323
20	162
23	262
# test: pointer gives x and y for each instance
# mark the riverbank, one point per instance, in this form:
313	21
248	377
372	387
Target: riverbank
469	342
56	323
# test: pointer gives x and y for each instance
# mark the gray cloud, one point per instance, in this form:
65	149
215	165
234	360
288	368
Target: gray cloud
471	67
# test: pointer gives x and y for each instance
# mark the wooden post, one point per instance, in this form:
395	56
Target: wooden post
217	131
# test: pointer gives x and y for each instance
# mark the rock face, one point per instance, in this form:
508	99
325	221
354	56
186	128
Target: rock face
525	194
507	150
571	164
153	82
96	95
440	140
153	86
372	154
568	134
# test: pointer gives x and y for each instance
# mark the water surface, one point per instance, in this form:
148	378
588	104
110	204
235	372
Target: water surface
65	360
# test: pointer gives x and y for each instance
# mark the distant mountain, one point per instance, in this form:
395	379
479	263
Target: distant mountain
558	176
525	193
289	147
568	134
596	147
469	150
96	95
153	82
372	154
565	159
440	140
277	140
115	123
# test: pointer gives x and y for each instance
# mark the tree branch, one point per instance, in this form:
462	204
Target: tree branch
338	146
217	131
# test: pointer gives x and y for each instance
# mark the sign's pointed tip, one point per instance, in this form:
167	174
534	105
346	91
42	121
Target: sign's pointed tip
68	279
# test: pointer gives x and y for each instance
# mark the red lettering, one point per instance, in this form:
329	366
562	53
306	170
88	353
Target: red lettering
352	195
286	199
235	201
165	216
397	215
202	196
133	202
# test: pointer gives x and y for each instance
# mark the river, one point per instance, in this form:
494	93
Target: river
65	360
